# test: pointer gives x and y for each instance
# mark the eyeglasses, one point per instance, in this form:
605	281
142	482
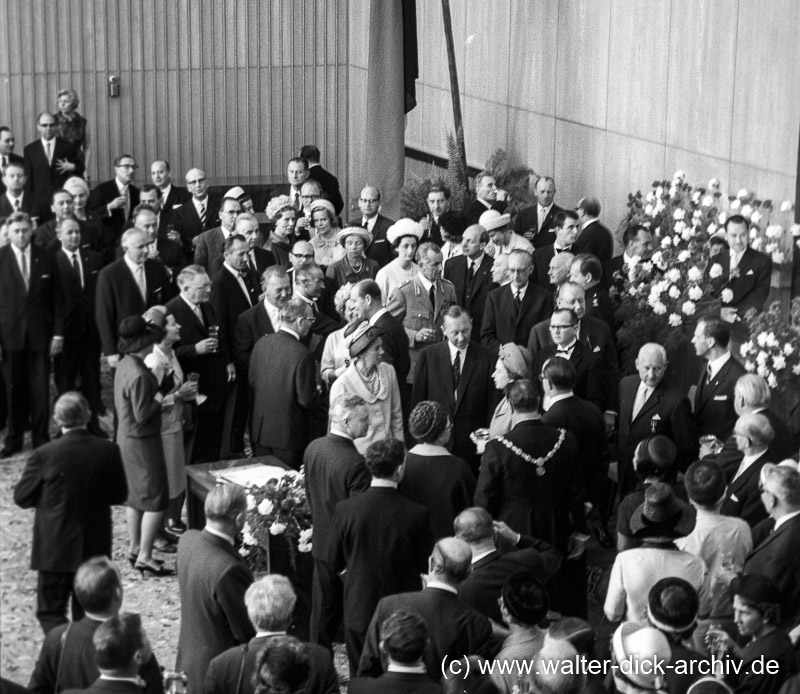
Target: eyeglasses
132	167
192	183
306	256
234	212
561	327
310	319
368	201
47	125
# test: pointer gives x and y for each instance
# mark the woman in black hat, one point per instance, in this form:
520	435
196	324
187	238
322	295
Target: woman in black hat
375	383
756	609
138	398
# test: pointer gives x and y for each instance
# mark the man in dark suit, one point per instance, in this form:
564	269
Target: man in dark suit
776	556
208	246
383	541
234	291
166	251
455	629
309	286
282	374
743	495
213	578
746	273
487	197
49	161
166	226
270	603
128	287
638	242
440	224
471	275
714	412
537	222
61	207
258	259
335	471
296	175
501	552
172	196
649	407
404	640
200	352
566	231
67	658
329	182
458	374
587	271
594	238
115	200
513	310
78	270
264	318
7	155
369	202
366	295
31	331
15	197
72	483
198	214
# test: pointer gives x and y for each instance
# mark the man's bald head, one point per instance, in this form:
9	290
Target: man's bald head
474	525
451	560
551	679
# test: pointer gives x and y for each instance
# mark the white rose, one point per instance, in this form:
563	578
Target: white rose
761	338
749	366
265	507
707	201
688	308
756	243
778	257
248	539
304	547
695	274
762	370
771	340
679	214
786	206
756	217
697	215
251	502
774	231
632	291
796	369
771	248
743	193
711	229
795	229
695	293
747	211
666	242
788	349
674	292
746	348
659	192
673	190
656	257
675	320
650	197
306	535
713	183
722	218
659	206
727	296
679	175
647	267
673	275
243	551
680	225
761	358
676	240
753	233
659	309
277	528
683	256
648	210
772	382
736	204
778	362
715	271
696	197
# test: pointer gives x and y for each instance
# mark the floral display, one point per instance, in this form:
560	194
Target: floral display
767	235
773	350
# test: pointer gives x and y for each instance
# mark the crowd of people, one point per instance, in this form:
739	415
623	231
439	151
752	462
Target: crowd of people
451	388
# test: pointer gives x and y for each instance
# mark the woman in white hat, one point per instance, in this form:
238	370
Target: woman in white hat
327	249
282	218
404	236
373	381
354	266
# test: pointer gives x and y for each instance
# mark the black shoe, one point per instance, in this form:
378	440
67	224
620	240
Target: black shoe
176	527
154	569
7	451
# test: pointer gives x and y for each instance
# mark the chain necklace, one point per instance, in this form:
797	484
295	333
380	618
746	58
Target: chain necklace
538	462
373	382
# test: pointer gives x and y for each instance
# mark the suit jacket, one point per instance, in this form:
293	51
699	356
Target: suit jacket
395	345
12	159
212	579
484	585
379	250
34	314
76	659
101	686
211	367
534	505
335	471
176	198
592	380
610	277
42	176
72	483
665	412
713	402
208	250
781	447
599	304
541	264
527	222
79	301
282	375
394	683
743	497
455	630
777	558
33	206
264	259
468	406
595	239
229	302
46	236
113	222
330	186
503	323
471	294
118	297
751	287
238	664
383	540
585	422
251	325
474	208
188	221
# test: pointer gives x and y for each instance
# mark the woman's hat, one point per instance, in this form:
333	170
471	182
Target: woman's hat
322	204
404	227
135	333
366	237
237	193
492	219
756	589
672	605
633	644
276	205
662	516
516	359
364	335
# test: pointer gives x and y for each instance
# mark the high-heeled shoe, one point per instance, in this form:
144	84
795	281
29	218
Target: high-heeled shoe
153	568
133	558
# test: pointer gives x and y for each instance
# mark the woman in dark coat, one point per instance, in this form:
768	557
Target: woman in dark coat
138	398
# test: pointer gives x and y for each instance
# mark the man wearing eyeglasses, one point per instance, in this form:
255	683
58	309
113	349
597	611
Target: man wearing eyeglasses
208	246
369	202
200	213
115	201
49	162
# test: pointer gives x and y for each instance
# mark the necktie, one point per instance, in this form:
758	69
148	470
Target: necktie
641	399
365	224
16	204
432	296
248	284
49	152
297	200
141	282
199	314
456	370
5	162
517	300
76	265
470	270
203	213
708	374
25	273
563	350
251	261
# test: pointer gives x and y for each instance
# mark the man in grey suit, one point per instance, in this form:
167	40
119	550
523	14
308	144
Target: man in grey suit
208	246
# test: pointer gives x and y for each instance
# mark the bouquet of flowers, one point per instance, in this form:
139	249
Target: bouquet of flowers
766	234
279	507
774	348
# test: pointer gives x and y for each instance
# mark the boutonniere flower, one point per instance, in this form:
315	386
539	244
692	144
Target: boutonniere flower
734	273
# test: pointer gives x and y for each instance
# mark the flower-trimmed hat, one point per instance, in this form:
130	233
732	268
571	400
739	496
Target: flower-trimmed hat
364	234
364	335
662	517
135	333
404	227
277	205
